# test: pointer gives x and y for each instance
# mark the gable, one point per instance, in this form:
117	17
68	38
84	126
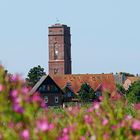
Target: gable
49	86
46	85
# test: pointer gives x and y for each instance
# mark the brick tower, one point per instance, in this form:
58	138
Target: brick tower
59	49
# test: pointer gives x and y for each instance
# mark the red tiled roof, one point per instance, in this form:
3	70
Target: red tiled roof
94	80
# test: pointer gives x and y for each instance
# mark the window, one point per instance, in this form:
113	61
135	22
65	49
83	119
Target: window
54	88
55	51
48	87
55	71
98	94
42	89
46	99
56	99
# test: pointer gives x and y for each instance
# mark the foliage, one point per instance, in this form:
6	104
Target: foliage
25	117
86	93
127	74
133	93
34	75
120	89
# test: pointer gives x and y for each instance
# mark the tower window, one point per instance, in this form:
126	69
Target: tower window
55	71
55	51
56	54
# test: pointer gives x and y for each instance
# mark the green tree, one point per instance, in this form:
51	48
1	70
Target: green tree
127	74
86	93
34	75
120	89
133	93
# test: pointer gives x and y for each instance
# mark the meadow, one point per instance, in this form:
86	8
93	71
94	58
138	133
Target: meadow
27	117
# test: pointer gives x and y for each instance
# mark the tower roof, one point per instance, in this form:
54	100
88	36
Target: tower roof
58	25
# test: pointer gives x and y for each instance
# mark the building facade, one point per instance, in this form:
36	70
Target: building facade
57	89
59	42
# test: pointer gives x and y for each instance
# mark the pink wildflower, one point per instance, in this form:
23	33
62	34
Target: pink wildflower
72	127
82	138
137	106
106	136
51	126
136	125
96	105
101	98
90	109
43	104
14	78
128	117
65	131
1	137
17	108
25	90
36	98
105	121
114	127
98	113
19	125
87	119
1	87
122	124
14	93
65	137
42	125
11	125
16	100
25	134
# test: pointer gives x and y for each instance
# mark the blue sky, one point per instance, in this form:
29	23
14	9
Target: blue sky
105	34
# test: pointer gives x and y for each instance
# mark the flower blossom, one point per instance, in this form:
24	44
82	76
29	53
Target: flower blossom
136	125
137	106
105	121
87	119
106	136
25	135
14	93
17	108
65	130
128	117
65	137
96	105
42	125
1	87
25	90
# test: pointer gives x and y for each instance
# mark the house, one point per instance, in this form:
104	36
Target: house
49	91
64	88
129	80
